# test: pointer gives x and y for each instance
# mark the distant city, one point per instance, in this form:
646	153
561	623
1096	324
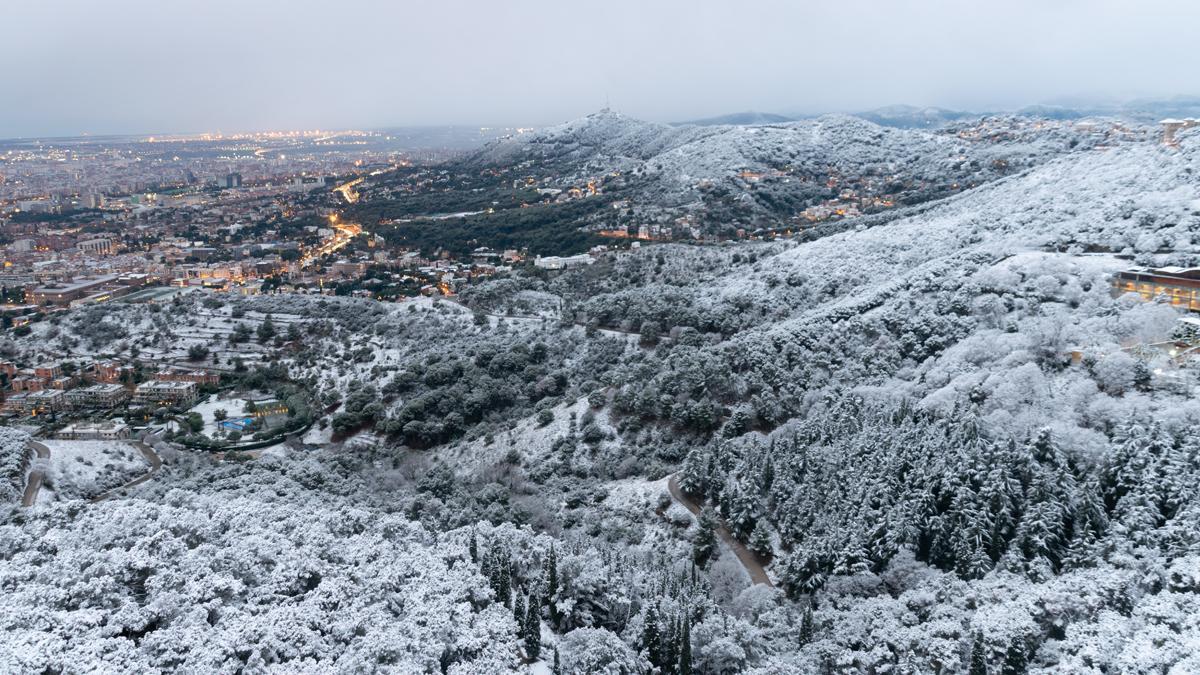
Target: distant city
86	220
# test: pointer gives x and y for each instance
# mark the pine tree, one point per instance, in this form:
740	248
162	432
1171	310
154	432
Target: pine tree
685	649
978	657
760	539
742	506
693	479
266	330
705	543
1015	658
533	629
1089	525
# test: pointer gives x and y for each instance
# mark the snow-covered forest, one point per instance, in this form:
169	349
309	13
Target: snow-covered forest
937	437
722	177
15	457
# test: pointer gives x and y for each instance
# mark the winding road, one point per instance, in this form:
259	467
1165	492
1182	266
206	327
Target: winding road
758	574
36	476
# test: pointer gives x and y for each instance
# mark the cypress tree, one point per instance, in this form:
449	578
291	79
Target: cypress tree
651	637
551	573
533	630
557	670
1015	658
685	649
518	608
670	657
493	573
501	576
978	657
473	547
806	626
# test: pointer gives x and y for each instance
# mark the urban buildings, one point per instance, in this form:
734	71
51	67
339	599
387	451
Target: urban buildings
1172	126
1180	285
98	396
160	393
553	262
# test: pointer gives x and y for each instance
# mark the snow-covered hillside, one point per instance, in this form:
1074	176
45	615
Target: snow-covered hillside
941	434
769	165
15	457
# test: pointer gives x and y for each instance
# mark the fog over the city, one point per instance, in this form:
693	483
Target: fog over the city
75	66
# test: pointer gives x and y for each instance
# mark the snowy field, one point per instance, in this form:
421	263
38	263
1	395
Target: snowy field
84	469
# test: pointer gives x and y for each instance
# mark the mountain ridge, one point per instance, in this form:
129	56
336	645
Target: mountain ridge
733	176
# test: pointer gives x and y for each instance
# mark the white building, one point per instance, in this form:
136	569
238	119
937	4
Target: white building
44	401
165	393
1172	126
99	246
97	396
110	430
554	262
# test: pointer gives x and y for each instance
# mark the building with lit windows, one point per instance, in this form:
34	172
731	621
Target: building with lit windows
157	393
1178	285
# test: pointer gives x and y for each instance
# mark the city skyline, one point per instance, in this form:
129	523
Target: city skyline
131	68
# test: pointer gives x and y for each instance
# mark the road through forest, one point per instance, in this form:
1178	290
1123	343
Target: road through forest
758	574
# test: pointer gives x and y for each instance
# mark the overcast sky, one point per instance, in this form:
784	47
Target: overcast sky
113	66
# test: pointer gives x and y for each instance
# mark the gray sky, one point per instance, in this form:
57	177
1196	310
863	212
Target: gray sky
112	66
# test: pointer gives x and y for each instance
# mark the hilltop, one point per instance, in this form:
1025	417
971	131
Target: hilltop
723	176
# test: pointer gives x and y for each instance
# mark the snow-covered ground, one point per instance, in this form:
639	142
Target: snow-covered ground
636	495
970	312
316	435
529	437
84	469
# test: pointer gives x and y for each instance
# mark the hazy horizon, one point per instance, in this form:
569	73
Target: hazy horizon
134	67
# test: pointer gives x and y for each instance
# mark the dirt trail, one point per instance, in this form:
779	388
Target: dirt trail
758	574
155	464
35	476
